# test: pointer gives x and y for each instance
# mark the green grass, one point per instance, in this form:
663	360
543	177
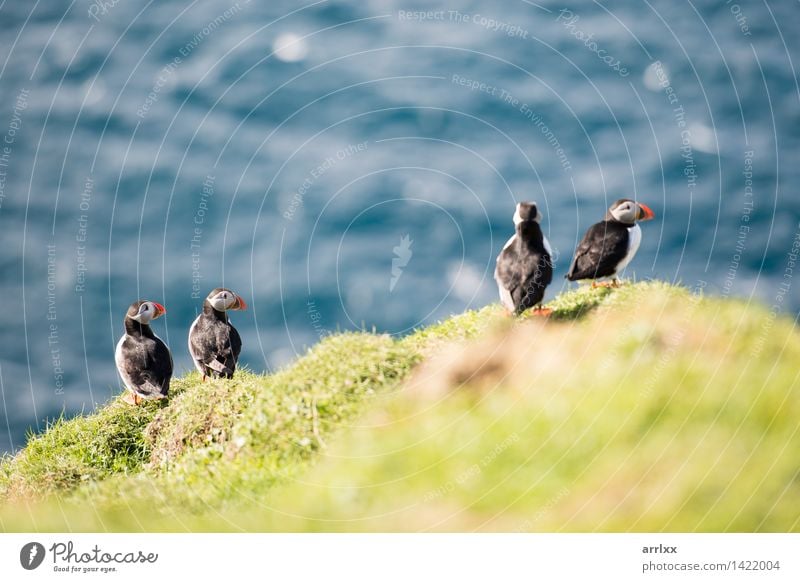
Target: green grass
640	408
71	452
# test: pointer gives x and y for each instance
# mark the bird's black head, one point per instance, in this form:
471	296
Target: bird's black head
527	212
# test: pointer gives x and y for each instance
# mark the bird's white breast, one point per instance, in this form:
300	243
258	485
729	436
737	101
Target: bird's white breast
119	358
195	359
634	240
118	352
505	295
547	246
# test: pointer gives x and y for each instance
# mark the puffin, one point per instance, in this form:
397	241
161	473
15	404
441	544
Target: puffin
143	360
524	266
214	343
609	245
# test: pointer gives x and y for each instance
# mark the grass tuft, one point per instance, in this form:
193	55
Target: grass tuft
86	448
577	303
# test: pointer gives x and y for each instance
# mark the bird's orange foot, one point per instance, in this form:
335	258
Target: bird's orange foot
541	311
608	284
130	398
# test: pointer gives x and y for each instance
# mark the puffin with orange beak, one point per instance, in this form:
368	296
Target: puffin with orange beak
608	246
143	360
214	343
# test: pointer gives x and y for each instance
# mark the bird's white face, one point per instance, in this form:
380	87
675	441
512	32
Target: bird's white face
224	300
628	211
148	311
625	212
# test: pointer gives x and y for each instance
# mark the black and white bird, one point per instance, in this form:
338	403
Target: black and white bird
214	343
608	246
524	266
143	360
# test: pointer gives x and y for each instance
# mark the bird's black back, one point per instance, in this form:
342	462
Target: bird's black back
214	338
604	245
147	362
525	268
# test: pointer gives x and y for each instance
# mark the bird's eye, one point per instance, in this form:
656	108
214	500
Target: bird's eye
145	307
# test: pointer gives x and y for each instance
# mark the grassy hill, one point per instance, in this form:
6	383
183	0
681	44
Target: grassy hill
643	408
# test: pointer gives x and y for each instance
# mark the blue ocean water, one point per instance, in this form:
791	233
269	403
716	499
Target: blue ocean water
350	165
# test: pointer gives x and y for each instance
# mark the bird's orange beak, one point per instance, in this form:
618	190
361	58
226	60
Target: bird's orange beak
239	303
160	310
645	213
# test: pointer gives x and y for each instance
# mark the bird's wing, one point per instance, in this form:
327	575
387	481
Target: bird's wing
194	346
203	343
156	377
539	275
146	373
604	245
508	279
217	348
163	356
235	343
122	366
